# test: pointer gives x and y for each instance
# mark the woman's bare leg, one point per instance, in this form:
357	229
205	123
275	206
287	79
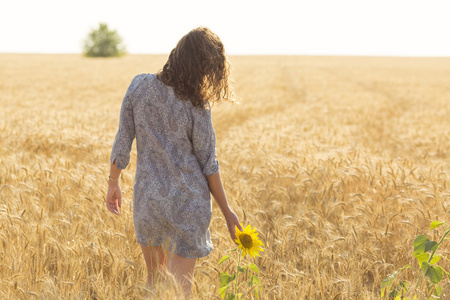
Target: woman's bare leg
183	270
156	260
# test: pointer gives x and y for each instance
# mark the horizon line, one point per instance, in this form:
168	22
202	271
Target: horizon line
240	54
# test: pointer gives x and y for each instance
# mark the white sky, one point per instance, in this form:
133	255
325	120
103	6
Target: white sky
310	27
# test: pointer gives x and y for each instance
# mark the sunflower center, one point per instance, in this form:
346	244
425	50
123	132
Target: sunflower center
246	240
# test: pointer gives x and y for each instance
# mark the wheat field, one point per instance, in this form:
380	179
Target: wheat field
339	162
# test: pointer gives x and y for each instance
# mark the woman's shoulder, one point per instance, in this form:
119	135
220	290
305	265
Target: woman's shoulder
139	79
148	77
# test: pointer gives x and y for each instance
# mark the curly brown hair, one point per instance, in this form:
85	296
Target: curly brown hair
198	70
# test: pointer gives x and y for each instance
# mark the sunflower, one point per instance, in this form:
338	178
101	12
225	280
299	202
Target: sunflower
248	241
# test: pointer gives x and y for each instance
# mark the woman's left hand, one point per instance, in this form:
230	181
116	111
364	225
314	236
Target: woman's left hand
114	198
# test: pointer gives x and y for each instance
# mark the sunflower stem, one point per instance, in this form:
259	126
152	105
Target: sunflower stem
237	273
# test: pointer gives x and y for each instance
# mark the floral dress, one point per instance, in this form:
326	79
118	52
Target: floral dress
175	144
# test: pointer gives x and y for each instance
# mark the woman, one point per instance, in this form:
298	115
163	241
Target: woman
169	115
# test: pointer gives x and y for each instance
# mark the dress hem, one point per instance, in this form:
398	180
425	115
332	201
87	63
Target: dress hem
179	254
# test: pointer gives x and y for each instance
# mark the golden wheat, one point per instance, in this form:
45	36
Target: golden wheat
338	161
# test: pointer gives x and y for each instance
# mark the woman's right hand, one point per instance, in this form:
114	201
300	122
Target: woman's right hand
232	223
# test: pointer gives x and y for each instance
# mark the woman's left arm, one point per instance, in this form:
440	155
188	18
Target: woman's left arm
114	195
120	154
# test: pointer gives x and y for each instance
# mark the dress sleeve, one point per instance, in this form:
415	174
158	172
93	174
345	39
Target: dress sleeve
125	135
204	141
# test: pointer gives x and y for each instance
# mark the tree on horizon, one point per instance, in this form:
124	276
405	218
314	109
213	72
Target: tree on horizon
103	42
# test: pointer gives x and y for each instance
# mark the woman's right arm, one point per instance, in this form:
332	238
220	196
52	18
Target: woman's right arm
218	192
204	146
